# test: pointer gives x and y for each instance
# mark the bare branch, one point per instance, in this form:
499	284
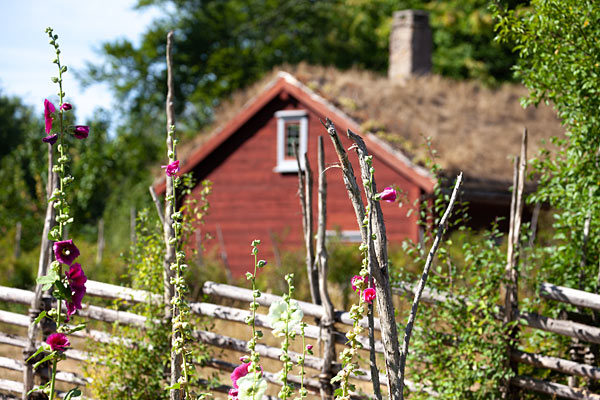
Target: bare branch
423	281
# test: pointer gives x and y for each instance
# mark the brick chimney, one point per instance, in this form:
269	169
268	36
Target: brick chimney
410	45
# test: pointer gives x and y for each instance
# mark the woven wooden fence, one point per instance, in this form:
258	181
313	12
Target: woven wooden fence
210	310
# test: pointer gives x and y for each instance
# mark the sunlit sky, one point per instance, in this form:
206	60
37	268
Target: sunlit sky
82	26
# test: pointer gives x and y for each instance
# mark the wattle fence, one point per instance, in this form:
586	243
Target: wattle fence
582	332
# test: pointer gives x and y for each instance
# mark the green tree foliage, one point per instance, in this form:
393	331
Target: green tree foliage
22	158
222	46
558	43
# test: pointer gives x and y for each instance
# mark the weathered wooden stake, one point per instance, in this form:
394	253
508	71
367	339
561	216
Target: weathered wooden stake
132	224
223	254
511	271
100	246
44	260
305	183
157	205
327	322
378	259
169	232
17	252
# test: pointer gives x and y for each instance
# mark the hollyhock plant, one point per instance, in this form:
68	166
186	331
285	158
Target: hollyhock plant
66	107
358	282
172	169
58	342
50	139
81	131
49	111
388	194
369	295
65	251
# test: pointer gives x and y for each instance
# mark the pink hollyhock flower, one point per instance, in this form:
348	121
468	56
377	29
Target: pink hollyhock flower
369	295
233	394
388	194
65	251
357	281
49	111
239	372
66	106
81	131
50	139
58	341
172	169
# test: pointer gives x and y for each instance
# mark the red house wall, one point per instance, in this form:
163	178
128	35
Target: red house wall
250	201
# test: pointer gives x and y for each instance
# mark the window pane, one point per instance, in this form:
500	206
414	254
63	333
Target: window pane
292	136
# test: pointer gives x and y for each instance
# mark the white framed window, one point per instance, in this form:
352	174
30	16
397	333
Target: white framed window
346	236
292	129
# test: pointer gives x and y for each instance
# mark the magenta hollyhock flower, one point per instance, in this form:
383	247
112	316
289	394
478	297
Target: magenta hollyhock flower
76	296
172	169
81	131
58	341
357	281
76	276
388	194
66	106
369	295
240	371
65	251
50	139
49	111
77	280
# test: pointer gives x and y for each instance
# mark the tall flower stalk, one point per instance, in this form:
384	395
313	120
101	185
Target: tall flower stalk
284	316
247	379
69	287
180	312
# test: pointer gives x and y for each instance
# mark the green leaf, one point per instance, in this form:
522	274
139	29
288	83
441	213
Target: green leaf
48	279
39	317
61	291
38	388
43	360
174	386
38	351
77	328
75	392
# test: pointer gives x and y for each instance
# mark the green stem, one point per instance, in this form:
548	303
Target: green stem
53	380
254	316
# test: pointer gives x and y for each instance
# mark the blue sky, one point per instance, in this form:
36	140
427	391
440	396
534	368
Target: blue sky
82	26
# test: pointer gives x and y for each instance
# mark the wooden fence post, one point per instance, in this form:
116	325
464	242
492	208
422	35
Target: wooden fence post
169	231
511	306
327	322
378	258
44	261
100	246
132	224
18	229
305	183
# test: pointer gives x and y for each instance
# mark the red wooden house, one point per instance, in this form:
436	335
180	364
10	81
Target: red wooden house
253	171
